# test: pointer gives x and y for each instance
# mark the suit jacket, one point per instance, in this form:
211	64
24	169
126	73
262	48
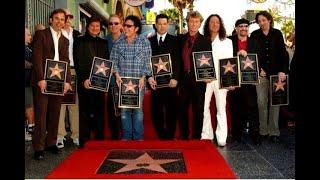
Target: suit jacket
171	46
201	44
42	49
277	60
85	48
75	34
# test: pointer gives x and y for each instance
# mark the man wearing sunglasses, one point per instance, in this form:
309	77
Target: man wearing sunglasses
115	28
131	56
243	100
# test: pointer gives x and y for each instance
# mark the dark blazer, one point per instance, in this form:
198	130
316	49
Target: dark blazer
42	49
85	48
75	34
277	60
201	44
170	45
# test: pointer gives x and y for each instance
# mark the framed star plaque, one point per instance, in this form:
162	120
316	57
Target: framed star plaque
279	92
100	74
249	70
229	72
161	69
55	74
204	66
129	93
70	96
115	97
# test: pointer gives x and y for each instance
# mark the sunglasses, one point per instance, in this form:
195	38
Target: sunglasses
241	26
111	23
128	25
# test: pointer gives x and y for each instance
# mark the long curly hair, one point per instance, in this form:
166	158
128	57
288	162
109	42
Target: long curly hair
222	31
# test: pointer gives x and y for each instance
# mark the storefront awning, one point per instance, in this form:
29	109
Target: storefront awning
94	8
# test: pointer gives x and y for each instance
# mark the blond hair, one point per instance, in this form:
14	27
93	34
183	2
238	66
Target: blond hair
194	14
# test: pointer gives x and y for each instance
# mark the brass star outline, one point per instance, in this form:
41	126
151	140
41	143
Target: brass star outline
204	60
161	65
247	63
56	71
101	69
130	87
143	162
279	86
228	67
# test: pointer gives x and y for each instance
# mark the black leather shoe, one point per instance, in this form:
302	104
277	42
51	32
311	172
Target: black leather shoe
53	149
275	139
38	155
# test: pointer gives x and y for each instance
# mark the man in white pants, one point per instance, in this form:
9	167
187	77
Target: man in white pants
73	109
221	48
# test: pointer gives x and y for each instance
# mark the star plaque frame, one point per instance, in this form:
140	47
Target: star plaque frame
55	74
161	69
129	93
115	97
229	72
279	91
70	96
249	70
204	66
100	74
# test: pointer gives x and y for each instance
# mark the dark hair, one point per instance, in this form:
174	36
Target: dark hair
56	11
222	30
93	19
265	14
136	22
159	16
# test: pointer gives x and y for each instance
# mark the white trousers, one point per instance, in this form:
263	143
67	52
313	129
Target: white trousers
222	127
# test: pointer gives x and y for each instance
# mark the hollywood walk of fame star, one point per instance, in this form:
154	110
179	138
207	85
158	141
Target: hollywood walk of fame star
247	63
130	87
56	71
101	69
144	161
228	67
161	65
204	60
279	86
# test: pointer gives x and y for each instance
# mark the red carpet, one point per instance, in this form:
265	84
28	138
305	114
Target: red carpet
201	160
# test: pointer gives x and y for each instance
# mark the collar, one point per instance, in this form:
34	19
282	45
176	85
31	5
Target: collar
163	36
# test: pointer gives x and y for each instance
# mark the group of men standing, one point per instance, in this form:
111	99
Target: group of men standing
131	55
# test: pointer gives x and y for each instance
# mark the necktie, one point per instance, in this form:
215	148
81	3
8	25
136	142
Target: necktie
160	41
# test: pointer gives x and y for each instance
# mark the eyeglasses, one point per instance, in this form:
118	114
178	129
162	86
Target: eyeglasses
241	26
128	25
111	23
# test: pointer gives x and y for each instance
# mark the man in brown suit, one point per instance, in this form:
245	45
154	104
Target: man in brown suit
48	44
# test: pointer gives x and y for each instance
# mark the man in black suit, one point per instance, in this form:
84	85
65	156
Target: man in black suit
48	44
243	100
189	89
163	99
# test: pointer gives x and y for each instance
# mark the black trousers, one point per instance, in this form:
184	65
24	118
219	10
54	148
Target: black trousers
91	114
244	108
114	119
164	112
192	92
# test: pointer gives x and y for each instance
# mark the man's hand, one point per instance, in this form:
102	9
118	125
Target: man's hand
42	84
262	73
242	52
208	81
27	64
152	83
86	84
173	83
118	79
282	76
231	88
66	87
141	83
